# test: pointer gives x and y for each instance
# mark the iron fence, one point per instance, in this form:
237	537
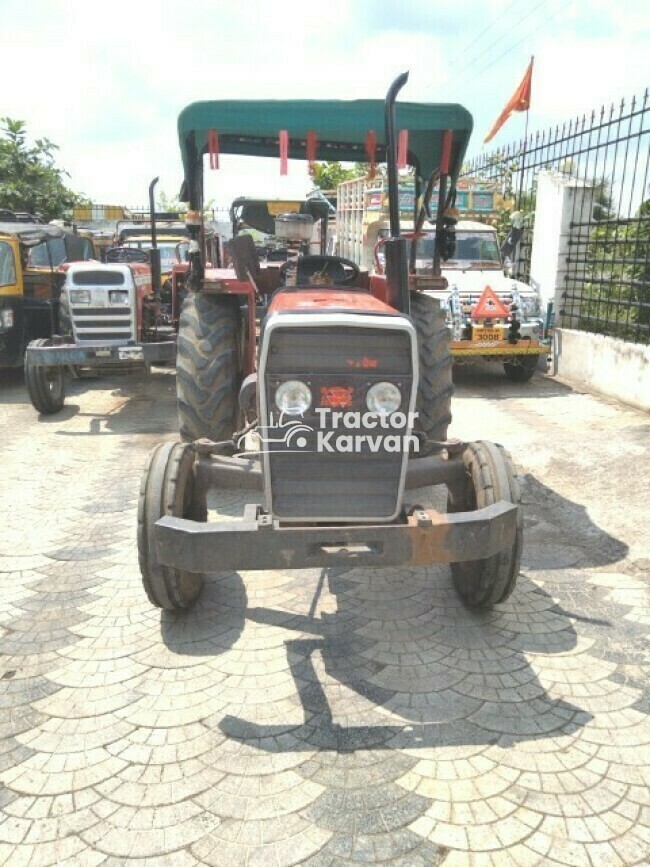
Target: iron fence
607	275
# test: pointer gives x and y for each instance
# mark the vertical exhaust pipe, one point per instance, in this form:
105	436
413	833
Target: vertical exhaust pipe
395	248
154	255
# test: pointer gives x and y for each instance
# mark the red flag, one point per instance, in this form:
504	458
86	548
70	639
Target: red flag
284	151
213	148
402	148
519	101
312	145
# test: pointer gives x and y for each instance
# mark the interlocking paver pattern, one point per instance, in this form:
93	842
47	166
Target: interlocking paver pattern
329	717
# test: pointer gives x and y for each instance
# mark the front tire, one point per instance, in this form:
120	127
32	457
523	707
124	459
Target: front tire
521	369
207	367
168	488
435	387
45	385
490	478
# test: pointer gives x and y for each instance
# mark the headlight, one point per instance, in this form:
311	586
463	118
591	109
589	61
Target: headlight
118	296
79	296
293	397
530	307
384	398
6	319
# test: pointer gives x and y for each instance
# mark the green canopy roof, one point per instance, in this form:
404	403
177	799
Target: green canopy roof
252	127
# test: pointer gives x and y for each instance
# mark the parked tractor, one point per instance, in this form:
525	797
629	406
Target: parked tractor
341	409
112	315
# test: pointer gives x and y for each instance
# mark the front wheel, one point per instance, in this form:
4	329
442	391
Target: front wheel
45	385
521	368
168	488
490	477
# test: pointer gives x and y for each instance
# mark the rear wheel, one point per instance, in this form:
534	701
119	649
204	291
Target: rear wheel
207	367
435	387
168	488
490	478
521	369
45	385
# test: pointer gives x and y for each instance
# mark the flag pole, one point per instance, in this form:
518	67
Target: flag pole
523	154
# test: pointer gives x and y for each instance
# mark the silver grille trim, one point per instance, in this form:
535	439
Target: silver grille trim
391	508
100	321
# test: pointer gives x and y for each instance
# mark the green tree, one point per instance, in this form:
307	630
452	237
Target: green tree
29	178
639	270
169	203
174	204
327	176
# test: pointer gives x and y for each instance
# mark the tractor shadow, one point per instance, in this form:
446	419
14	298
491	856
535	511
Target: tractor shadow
559	533
213	625
385	673
142	404
393	660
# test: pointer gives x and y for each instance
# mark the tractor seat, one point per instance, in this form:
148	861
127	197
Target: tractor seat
245	260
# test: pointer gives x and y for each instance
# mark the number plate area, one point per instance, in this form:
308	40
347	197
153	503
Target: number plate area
130	353
487	335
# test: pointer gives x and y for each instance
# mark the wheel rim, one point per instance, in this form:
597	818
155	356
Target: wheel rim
54	382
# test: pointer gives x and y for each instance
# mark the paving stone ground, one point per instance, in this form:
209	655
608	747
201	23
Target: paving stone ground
323	718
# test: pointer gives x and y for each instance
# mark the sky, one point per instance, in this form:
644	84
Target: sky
106	81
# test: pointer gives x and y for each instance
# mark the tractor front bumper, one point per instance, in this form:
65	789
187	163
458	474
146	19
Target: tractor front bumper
259	542
100	354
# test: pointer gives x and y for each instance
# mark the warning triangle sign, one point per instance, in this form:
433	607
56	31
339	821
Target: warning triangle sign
490	306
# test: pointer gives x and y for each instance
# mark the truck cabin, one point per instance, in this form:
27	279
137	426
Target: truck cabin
434	138
476	247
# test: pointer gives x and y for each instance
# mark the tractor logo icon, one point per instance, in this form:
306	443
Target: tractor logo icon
292	433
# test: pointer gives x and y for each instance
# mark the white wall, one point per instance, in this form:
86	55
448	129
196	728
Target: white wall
613	367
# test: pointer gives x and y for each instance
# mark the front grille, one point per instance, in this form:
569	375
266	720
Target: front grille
98	278
308	484
99	324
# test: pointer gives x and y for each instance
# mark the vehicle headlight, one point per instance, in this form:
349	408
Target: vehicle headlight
79	296
293	397
118	296
530	307
383	398
6	319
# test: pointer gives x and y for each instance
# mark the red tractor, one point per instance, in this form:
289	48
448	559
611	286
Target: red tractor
343	403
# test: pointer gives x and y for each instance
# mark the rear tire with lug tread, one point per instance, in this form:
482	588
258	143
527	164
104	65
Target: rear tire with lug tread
207	367
45	385
435	386
168	488
490	478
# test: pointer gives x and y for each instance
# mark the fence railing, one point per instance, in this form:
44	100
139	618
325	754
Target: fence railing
607	274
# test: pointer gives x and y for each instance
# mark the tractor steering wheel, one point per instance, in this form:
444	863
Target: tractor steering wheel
330	266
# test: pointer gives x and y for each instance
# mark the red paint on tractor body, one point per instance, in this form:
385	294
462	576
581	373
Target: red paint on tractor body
324	300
